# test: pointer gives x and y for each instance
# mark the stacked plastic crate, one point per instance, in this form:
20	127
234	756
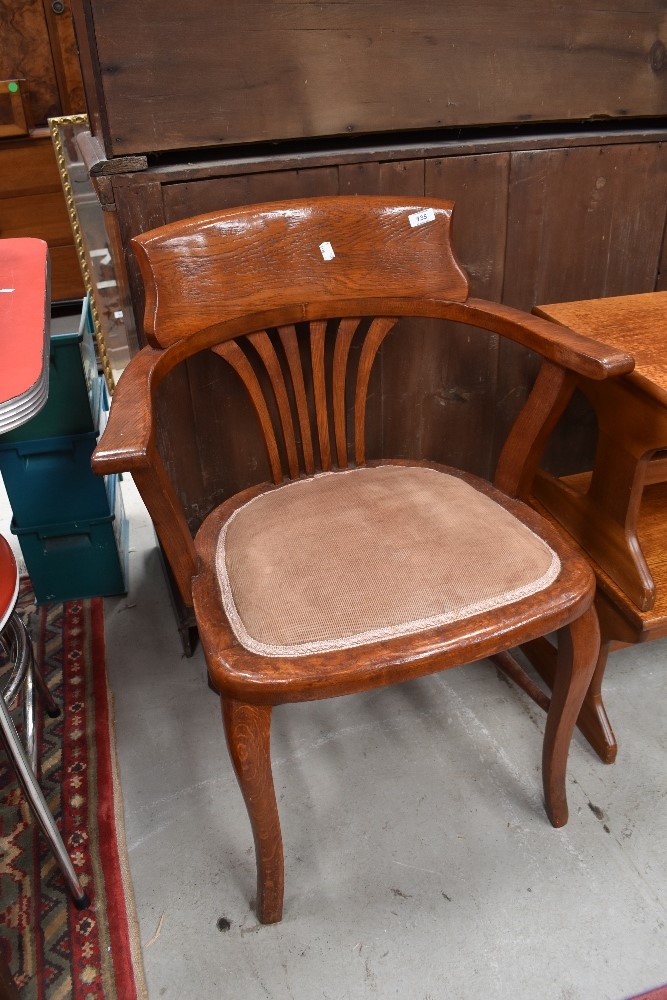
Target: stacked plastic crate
70	523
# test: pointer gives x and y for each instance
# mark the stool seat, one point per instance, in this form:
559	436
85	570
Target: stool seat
9	581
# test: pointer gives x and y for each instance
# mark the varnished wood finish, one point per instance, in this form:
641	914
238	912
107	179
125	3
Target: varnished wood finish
593	721
248	732
632	427
617	512
526	441
219	283
578	648
373	240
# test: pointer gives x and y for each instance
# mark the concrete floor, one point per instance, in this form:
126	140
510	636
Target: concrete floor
419	860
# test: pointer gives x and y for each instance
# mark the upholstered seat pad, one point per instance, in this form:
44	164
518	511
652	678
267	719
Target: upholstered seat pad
351	557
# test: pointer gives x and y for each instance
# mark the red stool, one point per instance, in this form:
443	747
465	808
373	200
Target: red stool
17	647
24	382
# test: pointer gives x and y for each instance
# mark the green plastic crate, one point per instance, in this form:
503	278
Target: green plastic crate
74	386
51	481
84	558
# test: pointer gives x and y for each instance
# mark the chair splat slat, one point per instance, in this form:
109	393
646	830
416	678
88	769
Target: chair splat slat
265	349
233	355
317	337
344	336
378	330
290	344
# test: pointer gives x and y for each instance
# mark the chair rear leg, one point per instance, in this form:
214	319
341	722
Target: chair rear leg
248	732
578	648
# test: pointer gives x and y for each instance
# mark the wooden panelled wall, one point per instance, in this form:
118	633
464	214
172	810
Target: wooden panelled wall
542	220
170	75
37	47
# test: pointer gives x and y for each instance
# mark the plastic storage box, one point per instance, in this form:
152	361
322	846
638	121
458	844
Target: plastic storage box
74	387
50	481
79	558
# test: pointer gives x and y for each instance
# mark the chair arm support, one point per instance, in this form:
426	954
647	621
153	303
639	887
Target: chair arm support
128	445
126	440
556	343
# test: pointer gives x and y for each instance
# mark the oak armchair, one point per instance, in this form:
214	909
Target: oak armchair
342	575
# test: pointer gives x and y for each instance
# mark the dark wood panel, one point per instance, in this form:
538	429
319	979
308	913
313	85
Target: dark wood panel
422	418
206	73
184	200
41	215
25	53
139	209
478	185
28	167
66	278
582	224
590	222
65	58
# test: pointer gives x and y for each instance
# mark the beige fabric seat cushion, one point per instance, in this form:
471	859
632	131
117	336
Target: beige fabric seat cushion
352	557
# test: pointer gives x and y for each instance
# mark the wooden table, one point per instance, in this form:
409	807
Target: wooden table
618	512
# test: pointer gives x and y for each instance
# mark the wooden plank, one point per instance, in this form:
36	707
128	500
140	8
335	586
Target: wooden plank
184	200
89	63
280	69
28	167
66	278
65	58
585	221
439	383
139	209
25	54
42	215
392	148
580	225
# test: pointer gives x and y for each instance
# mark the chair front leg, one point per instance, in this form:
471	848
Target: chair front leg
578	648
248	732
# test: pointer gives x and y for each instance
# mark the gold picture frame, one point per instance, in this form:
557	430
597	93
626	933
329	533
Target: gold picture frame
112	318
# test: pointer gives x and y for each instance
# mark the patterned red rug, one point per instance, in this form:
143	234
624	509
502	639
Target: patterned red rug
53	949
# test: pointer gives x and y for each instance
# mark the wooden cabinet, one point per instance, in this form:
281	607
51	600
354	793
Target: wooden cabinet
39	64
172	75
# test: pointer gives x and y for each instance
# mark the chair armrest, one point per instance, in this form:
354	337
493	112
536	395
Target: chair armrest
126	441
556	343
128	445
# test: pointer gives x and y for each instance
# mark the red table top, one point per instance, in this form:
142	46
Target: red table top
23	306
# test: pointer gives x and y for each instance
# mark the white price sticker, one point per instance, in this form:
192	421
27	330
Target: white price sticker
327	251
419	218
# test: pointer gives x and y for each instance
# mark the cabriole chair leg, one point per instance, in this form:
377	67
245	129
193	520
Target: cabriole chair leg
248	732
578	646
